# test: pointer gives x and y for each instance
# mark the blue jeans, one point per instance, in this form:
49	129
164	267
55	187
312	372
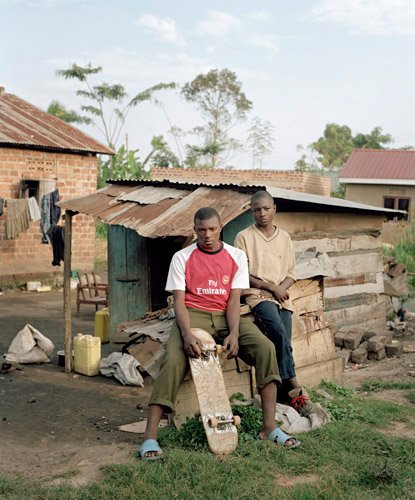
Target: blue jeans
278	327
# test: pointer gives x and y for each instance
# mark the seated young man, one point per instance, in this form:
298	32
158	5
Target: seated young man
206	279
271	265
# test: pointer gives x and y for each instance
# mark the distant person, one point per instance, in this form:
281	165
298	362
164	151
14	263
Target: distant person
271	264
206	279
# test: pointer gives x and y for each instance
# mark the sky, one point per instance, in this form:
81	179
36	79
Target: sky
302	63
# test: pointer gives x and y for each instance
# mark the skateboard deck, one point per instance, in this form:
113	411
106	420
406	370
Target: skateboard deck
215	409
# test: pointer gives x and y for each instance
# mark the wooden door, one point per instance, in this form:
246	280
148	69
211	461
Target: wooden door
129	296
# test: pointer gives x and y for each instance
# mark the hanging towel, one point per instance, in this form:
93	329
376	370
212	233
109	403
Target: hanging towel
17	217
33	208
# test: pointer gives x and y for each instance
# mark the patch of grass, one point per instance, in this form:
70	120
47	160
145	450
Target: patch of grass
383	385
101	230
410	396
349	456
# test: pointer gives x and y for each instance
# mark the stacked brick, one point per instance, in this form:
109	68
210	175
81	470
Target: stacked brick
74	175
288	179
359	345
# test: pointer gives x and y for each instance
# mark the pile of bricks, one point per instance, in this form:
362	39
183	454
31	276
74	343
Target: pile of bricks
359	345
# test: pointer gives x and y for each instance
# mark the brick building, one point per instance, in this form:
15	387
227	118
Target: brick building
38	154
288	179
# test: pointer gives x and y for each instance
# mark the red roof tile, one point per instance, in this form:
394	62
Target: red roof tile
23	124
379	164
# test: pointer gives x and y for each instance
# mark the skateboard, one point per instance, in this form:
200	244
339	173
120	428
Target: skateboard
215	409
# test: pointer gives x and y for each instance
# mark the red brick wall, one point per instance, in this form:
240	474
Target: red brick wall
75	175
288	179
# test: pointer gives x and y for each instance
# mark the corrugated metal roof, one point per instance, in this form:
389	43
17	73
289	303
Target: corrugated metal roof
162	215
379	164
160	208
22	124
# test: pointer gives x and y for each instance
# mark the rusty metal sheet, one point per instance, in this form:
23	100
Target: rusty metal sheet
178	219
148	195
168	217
22	123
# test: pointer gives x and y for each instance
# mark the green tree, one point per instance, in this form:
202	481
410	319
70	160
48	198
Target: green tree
109	123
218	96
57	109
260	140
329	153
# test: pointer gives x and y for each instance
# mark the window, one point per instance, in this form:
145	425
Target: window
397	203
29	189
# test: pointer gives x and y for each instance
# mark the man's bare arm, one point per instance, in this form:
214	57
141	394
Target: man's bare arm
191	344
233	315
280	292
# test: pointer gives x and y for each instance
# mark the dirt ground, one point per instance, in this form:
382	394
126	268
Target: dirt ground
63	427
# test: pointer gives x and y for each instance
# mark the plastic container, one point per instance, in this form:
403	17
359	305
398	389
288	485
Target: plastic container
102	325
87	354
32	286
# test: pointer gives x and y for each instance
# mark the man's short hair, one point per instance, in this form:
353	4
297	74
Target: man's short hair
206	213
260	195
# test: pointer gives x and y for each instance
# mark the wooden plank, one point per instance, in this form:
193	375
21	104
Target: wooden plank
353	289
302	288
307	323
312	375
361	299
331	222
352	280
322	244
357	263
313	347
365	241
67	296
309	303
368	315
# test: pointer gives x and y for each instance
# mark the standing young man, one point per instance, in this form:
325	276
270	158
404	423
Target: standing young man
271	264
206	279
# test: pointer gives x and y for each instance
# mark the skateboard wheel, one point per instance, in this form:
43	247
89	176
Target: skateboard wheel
219	349
213	422
236	420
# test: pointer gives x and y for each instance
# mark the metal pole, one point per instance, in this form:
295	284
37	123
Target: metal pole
67	298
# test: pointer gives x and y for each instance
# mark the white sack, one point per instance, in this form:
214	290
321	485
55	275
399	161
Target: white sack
123	367
30	346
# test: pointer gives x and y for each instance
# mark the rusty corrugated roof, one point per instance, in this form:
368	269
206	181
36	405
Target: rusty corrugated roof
22	124
161	208
385	164
158	212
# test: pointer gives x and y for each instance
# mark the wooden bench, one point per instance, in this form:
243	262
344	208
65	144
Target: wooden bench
90	290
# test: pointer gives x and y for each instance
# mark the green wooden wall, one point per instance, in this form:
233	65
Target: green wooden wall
129	296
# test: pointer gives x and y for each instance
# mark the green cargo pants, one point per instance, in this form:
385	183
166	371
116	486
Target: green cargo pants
254	349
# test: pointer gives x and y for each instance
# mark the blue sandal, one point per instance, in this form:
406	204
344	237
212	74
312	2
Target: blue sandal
148	446
280	437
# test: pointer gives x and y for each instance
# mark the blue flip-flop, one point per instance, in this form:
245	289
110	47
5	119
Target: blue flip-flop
148	446
280	437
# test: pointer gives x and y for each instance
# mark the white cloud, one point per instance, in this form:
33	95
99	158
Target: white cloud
267	42
259	15
373	17
218	24
164	28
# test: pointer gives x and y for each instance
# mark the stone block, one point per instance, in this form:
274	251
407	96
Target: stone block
368	334
378	355
388	336
364	345
339	339
359	355
395	348
344	354
352	339
376	343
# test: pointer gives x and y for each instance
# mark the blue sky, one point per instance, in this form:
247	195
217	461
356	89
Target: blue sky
302	64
